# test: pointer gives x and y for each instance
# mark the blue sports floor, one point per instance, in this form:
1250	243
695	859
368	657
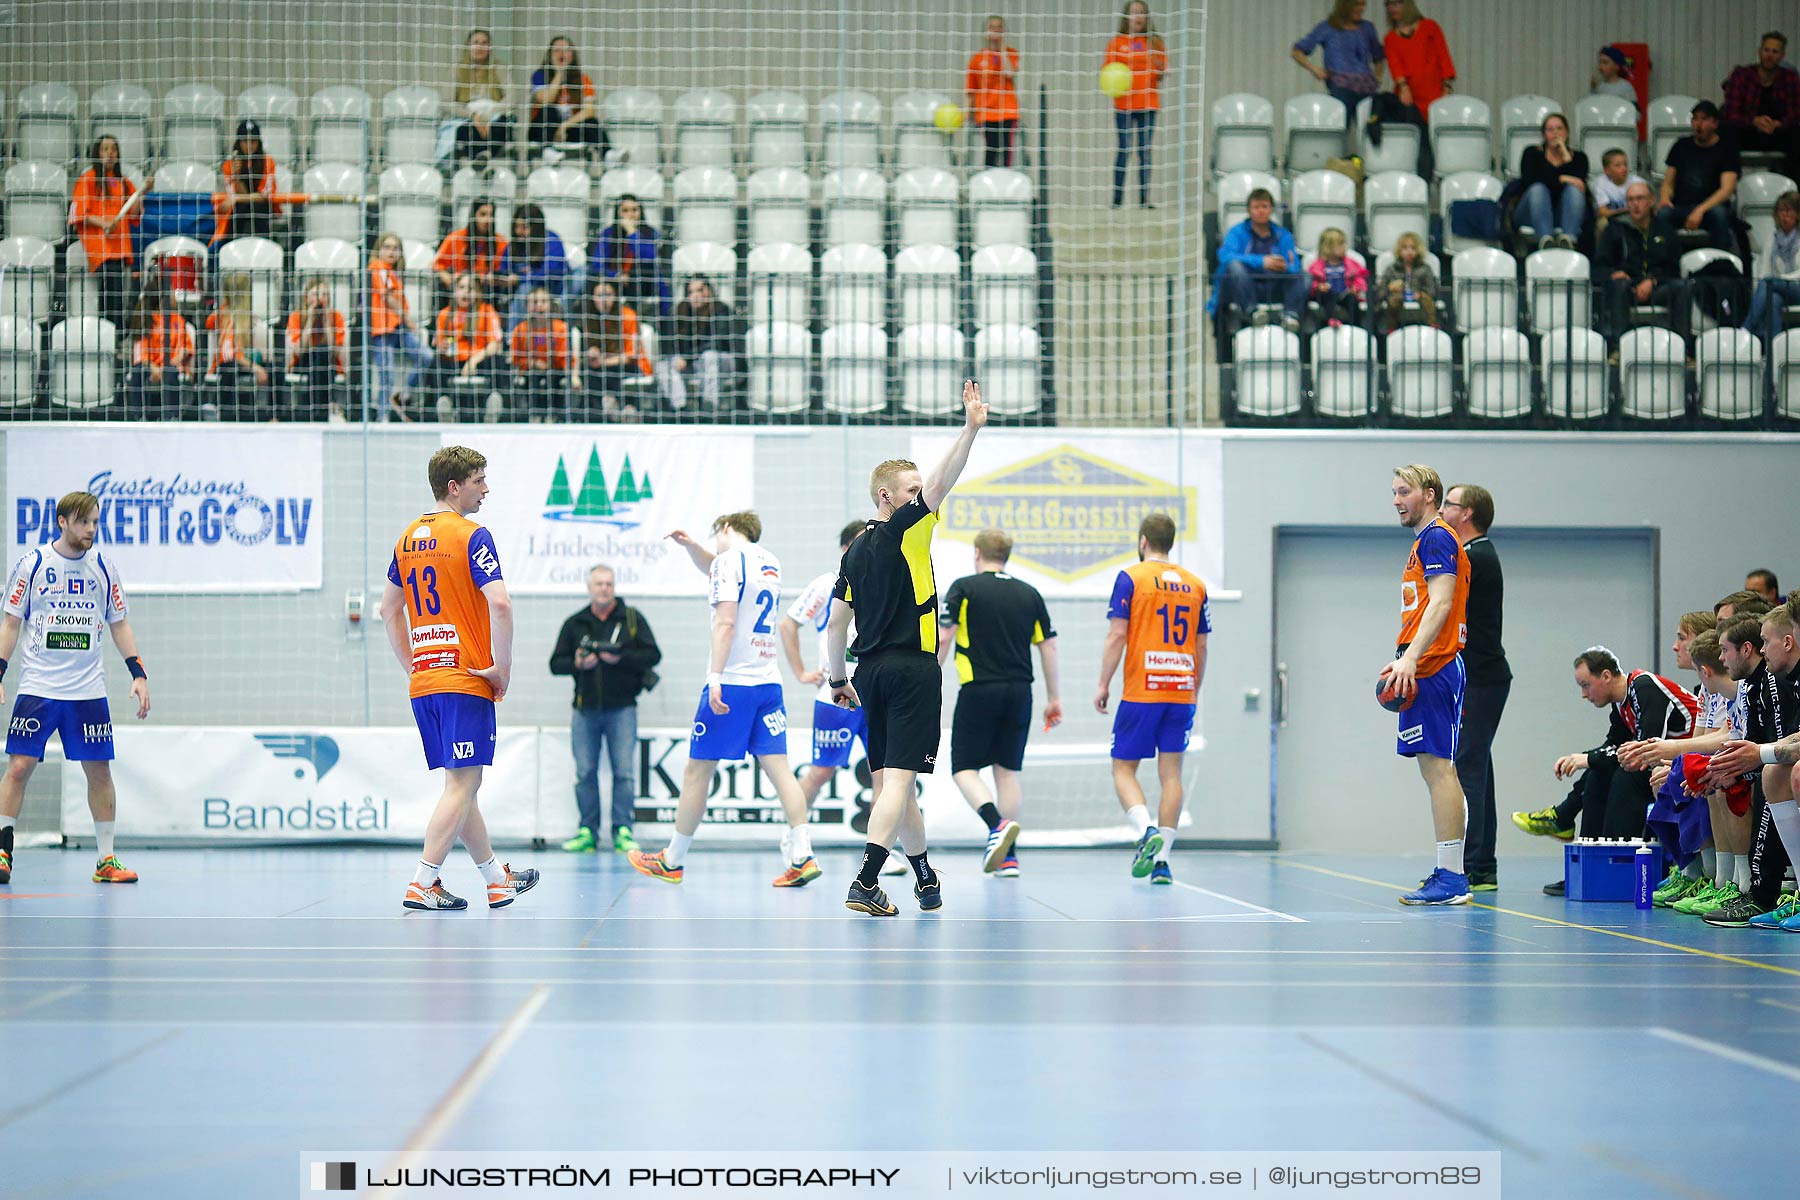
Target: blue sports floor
190	1035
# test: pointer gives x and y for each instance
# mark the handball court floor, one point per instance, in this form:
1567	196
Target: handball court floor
191	1035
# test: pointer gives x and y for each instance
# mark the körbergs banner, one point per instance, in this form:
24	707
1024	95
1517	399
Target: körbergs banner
194	510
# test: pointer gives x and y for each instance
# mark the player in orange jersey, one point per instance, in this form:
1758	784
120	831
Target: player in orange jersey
1160	619
450	624
1428	667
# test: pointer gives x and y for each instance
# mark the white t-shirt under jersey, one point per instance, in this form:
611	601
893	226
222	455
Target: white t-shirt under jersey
64	606
751	577
814	608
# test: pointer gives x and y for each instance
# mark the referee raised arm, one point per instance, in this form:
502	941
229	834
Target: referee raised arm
886	581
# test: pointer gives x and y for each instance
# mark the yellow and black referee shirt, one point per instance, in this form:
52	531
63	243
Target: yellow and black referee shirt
998	620
886	578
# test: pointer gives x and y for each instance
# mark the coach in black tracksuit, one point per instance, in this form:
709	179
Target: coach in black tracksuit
1469	510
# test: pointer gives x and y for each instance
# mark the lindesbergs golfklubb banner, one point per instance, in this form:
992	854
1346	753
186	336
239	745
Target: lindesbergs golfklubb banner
189	510
563	500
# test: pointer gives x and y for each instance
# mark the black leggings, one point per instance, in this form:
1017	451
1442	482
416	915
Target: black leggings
113	279
1137	126
999	136
583	133
496	144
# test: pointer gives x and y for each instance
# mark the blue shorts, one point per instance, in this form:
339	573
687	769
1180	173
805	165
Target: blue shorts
457	729
85	726
756	724
1433	722
835	732
1144	729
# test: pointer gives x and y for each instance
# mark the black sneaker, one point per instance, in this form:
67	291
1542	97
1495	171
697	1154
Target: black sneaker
1555	889
1484	881
1735	914
930	895
871	900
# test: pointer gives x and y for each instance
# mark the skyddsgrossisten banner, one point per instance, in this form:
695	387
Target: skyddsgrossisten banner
189	510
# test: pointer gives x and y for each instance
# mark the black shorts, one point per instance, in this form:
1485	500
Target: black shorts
990	727
903	696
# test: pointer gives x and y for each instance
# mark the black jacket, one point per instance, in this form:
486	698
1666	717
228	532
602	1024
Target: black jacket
1624	247
608	685
691	334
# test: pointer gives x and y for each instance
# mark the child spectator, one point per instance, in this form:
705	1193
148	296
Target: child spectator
991	96
1612	76
468	346
543	372
162	360
1406	294
316	354
98	215
1340	283
479	89
392	331
533	259
562	105
1140	48
240	350
611	353
475	248
629	254
246	208
1609	186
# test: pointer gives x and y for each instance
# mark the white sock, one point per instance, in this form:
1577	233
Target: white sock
799	843
7	822
103	834
1450	856
1693	870
677	848
1709	862
1786	816
427	873
1168	850
1139	816
1741	877
491	870
1727	863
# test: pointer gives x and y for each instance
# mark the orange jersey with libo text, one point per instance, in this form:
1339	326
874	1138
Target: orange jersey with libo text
1436	551
440	566
1166	612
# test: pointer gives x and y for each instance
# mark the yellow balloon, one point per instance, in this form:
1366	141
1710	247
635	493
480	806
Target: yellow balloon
948	118
1115	79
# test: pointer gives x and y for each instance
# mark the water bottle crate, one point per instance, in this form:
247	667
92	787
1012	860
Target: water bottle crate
1603	870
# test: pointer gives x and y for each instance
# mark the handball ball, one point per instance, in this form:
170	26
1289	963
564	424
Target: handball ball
948	118
1115	79
1388	698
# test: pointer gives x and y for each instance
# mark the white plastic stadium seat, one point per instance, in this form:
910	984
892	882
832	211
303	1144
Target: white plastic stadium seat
850	131
1343	372
1667	121
1784	355
1462	135
1007	361
634	118
705	129
718	263
45	122
341	217
1522	125
1419	376
498	184
1559	290
780	282
1604	123
276	111
1234	195
642	182
193	123
1267	366
37	200
918	143
925	201
409	125
1243	134
1757	192
340	125
1729	363
1575	375
338	264
854	360
1465	185
123	110
18	362
27	278
260	259
854	201
932	368
1486	290
927	279
1315	132
412	201
1005	284
562	192
81	364
420	280
778	367
1000	207
706	206
1321	200
1652	374
192	178
777	130
853	281
780	207
81	291
1399	149
1394	203
1497	373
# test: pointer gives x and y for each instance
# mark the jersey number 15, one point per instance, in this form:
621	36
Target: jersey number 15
1175	623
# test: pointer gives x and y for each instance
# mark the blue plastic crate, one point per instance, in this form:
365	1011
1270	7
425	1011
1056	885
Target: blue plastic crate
1606	872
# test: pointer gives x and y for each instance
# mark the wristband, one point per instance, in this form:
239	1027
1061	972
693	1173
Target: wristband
135	665
2	668
715	677
1767	753
838	683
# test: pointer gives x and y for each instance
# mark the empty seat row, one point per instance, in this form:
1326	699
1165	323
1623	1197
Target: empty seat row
861	372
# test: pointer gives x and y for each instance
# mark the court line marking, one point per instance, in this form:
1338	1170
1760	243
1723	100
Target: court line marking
1729	1053
1778	1004
1641	1171
529	954
46	998
8	1117
1513	912
198	983
1241	903
443	1114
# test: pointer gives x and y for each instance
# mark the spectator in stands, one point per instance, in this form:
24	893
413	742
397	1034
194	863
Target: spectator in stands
611	352
162	359
1340	283
534	258
1553	207
393	332
317	354
240	350
1406	293
1612	76
629	253
1139	47
1353	55
1778	272
474	249
1762	582
479	89
468	347
1418	57
1258	263
247	207
990	94
543	372
1762	104
104	227
1642	705
1701	178
1639	259
563	112
1609	186
704	337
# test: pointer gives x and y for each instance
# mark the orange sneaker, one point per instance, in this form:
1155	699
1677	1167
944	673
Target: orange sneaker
800	874
516	883
111	870
653	866
433	898
5	866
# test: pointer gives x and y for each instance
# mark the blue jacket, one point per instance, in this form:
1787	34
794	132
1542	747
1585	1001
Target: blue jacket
550	273
1235	247
646	273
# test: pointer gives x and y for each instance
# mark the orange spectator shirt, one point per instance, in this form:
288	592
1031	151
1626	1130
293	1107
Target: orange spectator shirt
467	332
440	566
1166	614
387	299
265	186
990	91
103	201
1147	60
629	344
529	342
454	257
226	346
1436	551
299	341
169	342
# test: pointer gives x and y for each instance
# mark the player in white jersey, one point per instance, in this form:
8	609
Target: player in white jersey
58	600
740	710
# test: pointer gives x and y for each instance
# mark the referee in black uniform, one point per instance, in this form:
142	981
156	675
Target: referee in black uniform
1469	510
992	620
885	582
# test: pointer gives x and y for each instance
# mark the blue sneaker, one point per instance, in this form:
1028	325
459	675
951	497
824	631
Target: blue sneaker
1778	917
1148	847
1160	873
1441	887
